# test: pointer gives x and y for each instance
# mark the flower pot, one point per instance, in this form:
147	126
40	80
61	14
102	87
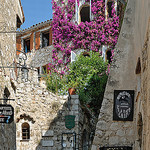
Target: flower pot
72	91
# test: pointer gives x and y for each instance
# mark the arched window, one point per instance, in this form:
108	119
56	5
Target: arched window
110	5
25	131
108	56
85	14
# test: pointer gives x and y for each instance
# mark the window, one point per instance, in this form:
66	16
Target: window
109	8
108	56
25	131
27	45
85	14
45	39
44	69
41	71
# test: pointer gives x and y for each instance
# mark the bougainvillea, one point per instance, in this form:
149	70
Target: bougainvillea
68	35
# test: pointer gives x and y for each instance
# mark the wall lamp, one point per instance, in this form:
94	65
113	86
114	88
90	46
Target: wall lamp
22	65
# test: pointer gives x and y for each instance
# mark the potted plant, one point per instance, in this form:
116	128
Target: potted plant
72	86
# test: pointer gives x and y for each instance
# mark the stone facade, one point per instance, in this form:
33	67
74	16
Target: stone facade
10	14
42	111
129	71
45	113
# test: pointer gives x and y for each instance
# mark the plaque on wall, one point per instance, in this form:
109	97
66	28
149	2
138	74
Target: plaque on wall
116	148
123	105
70	121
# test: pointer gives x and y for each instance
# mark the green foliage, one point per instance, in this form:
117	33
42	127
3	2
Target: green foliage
83	69
88	76
54	82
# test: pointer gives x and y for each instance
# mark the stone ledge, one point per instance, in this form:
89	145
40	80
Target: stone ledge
74	96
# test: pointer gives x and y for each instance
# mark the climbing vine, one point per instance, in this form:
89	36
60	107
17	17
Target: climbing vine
68	35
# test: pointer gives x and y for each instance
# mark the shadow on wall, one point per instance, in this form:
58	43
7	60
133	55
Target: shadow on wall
8	136
70	136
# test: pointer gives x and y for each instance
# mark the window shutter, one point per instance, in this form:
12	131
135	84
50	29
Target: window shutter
37	40
31	41
73	56
50	36
18	45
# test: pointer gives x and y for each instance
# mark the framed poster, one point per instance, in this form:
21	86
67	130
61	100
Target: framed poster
123	105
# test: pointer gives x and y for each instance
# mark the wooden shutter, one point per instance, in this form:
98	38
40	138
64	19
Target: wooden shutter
31	41
50	36
18	45
37	40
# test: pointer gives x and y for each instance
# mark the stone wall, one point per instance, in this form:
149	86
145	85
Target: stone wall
45	113
8	12
127	74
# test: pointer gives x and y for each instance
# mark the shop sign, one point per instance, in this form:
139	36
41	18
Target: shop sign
123	105
6	113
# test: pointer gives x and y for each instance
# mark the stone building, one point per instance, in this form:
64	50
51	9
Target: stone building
41	116
129	72
11	17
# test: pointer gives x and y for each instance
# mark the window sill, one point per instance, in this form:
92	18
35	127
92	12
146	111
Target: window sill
25	140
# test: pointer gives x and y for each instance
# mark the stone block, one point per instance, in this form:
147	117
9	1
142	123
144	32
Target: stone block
102	125
114	126
75	107
94	147
47	143
99	133
74	96
47	133
130	132
113	140
120	133
76	101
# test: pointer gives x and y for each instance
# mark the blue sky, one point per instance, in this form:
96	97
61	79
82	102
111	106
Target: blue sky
36	11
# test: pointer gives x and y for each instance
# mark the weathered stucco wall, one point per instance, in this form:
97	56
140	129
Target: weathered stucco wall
123	77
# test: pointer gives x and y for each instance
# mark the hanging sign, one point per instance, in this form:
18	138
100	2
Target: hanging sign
6	113
70	121
123	105
116	148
